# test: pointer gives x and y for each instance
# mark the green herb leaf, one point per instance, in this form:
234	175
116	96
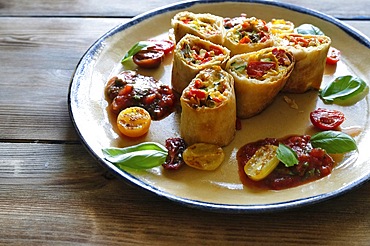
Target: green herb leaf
344	90
334	142
308	29
286	155
134	49
141	156
240	68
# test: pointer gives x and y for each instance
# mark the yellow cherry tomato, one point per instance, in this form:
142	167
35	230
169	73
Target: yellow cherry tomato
262	163
134	121
203	156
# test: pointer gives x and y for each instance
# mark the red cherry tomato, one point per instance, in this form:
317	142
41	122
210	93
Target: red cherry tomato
148	58
333	56
326	119
161	45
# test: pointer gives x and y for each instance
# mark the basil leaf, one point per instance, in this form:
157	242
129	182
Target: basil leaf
134	49
112	151
144	159
142	156
334	142
308	29
286	155
344	90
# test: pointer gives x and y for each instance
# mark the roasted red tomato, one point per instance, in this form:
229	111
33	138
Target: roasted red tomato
161	45
176	147
333	56
326	119
148	58
200	94
258	68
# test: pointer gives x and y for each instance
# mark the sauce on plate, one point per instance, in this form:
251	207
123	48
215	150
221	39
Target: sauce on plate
129	89
314	163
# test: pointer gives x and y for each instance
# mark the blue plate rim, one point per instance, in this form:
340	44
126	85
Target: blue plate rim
208	206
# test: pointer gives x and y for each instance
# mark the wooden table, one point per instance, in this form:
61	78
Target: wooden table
53	192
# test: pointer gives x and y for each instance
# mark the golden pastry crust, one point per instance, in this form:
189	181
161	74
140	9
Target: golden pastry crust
259	76
193	54
206	26
209	108
310	54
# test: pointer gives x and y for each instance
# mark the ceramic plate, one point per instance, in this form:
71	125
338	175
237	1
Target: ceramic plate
221	190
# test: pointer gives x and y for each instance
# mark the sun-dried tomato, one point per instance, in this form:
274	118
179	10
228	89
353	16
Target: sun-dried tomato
175	147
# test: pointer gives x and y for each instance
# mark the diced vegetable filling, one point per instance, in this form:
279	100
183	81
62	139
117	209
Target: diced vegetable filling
209	89
262	65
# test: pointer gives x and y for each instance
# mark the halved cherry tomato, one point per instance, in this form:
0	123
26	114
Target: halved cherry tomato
333	56
161	45
133	121
262	163
204	156
148	58
326	119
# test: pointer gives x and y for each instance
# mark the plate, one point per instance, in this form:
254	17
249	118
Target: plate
221	190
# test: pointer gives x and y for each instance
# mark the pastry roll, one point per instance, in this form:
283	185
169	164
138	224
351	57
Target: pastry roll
208	108
205	26
259	76
280	26
310	53
193	54
252	35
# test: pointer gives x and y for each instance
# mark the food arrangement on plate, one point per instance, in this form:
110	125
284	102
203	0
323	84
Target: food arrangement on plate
226	70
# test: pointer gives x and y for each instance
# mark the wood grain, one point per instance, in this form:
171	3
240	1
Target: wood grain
58	193
129	8
52	192
31	60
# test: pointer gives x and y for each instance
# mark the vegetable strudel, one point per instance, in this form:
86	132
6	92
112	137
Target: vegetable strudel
208	108
193	54
259	76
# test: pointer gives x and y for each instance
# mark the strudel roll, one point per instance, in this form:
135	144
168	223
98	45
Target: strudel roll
310	53
206	26
251	35
259	76
193	54
208	108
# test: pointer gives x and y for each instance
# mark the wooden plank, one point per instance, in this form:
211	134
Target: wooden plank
53	192
31	60
361	26
58	194
130	8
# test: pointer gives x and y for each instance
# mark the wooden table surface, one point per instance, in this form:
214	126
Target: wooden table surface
53	192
